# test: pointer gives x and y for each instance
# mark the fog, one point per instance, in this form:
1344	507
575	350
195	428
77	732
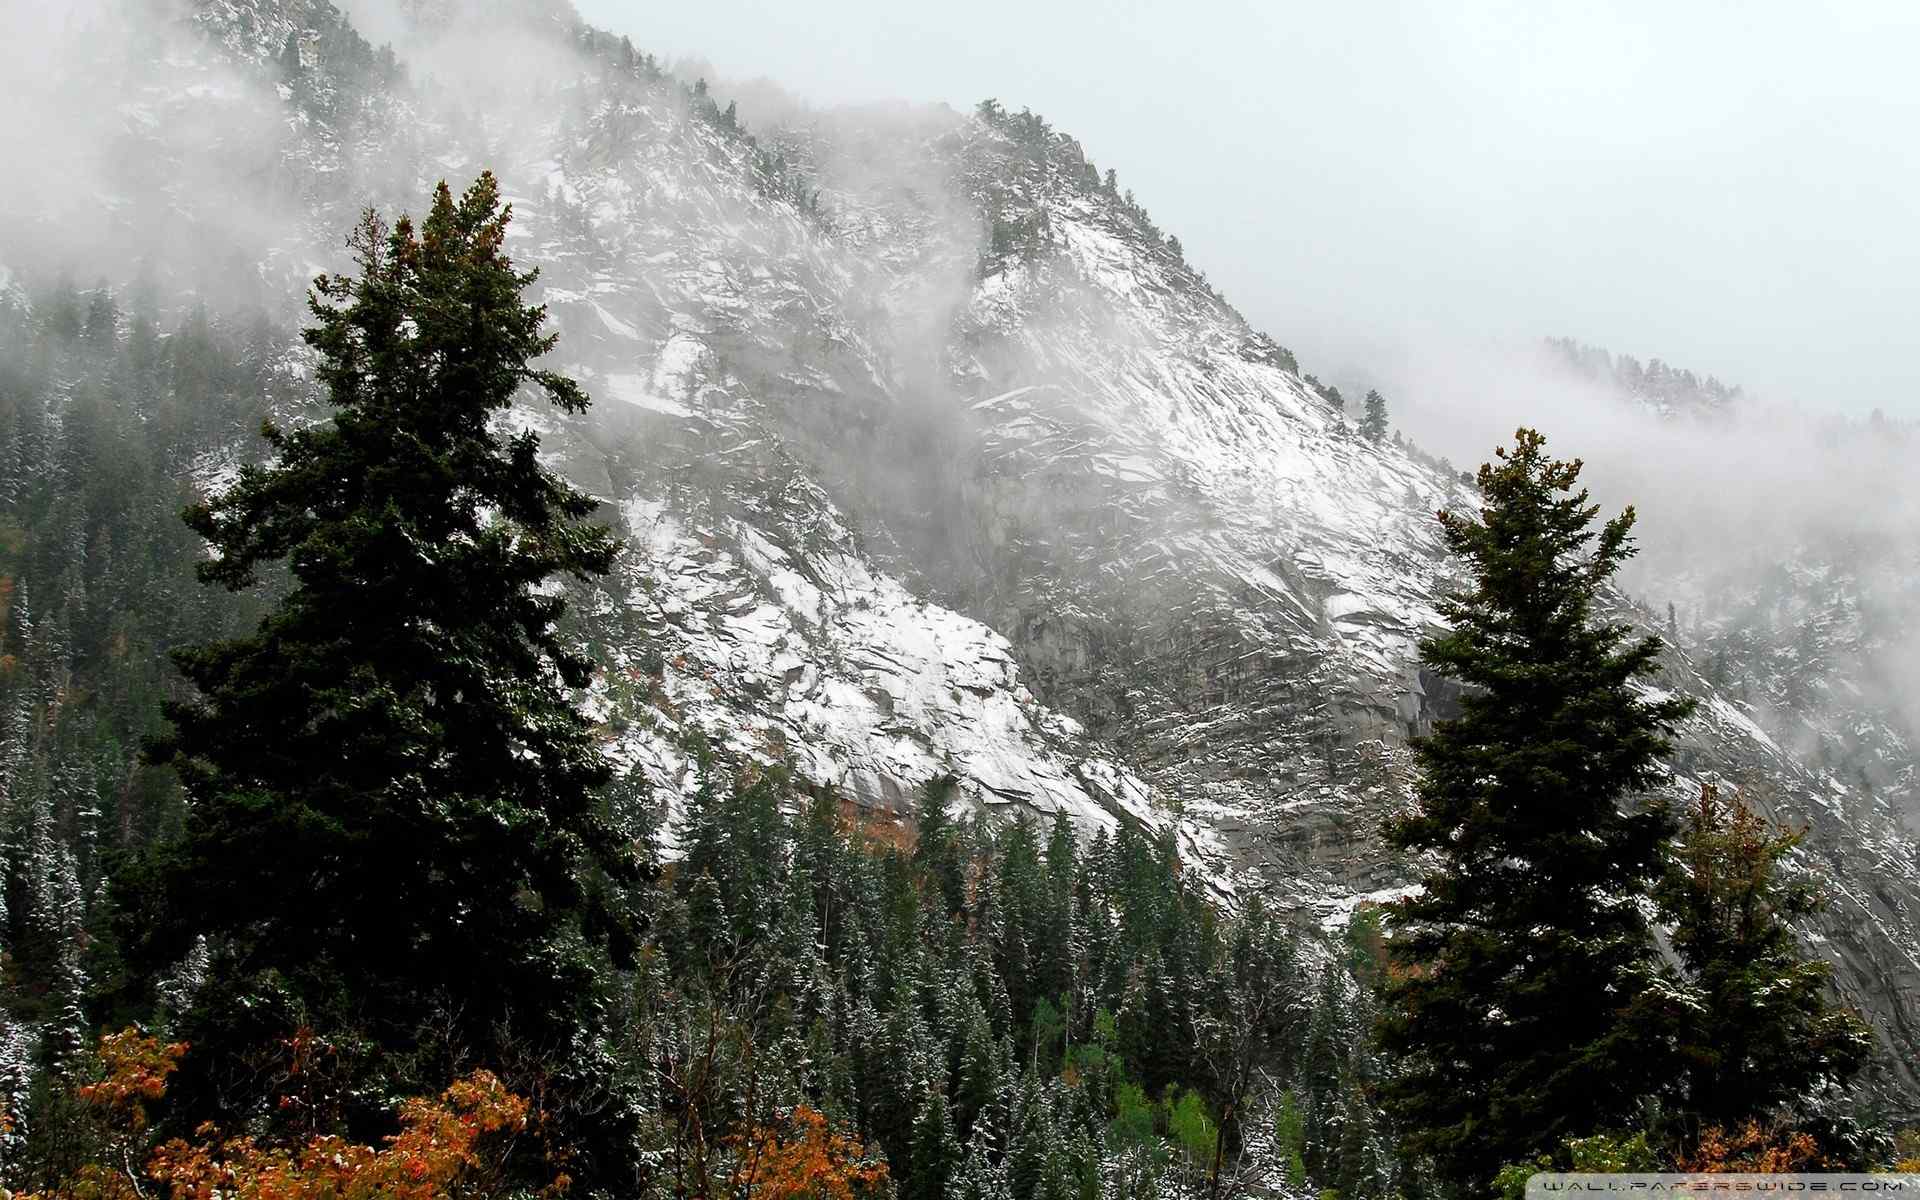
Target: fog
1413	195
1725	186
147	162
1724	500
1408	197
114	179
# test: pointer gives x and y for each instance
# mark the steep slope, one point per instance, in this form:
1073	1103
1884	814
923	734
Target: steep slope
1203	562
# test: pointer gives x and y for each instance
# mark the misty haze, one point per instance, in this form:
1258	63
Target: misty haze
1006	603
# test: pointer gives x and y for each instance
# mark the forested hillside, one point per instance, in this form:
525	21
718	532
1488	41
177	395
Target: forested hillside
111	419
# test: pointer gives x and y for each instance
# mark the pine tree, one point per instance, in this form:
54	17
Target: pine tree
1251	1006
1523	966
1058	940
1373	425
1030	1160
52	921
979	1074
978	1179
936	847
1365	1169
896	1071
936	1152
1323	1073
289	58
394	834
1764	1031
1290	1139
1146	1025
1021	894
103	319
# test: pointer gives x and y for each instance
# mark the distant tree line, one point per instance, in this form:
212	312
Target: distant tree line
1657	382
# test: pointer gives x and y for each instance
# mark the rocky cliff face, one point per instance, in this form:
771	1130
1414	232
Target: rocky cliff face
935	458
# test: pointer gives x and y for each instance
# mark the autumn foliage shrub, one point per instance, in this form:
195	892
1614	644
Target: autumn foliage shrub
806	1159
90	1143
1751	1149
450	1147
134	1069
1906	1151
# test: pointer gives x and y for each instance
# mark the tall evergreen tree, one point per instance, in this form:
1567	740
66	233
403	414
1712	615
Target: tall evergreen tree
979	1075
1058	943
1764	1031
1021	894
394	835
1323	1071
1526	963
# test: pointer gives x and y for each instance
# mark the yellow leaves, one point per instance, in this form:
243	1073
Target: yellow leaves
806	1160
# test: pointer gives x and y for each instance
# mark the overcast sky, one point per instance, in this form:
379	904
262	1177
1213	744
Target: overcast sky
1729	186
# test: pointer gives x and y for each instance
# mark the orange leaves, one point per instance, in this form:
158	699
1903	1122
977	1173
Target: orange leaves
807	1160
457	1143
136	1067
444	1145
110	1125
1751	1150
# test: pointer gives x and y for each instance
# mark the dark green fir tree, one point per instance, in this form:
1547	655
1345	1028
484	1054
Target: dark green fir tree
394	836
936	1155
937	848
1524	997
1373	422
1765	1031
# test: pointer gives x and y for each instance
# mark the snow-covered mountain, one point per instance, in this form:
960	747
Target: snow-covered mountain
935	457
